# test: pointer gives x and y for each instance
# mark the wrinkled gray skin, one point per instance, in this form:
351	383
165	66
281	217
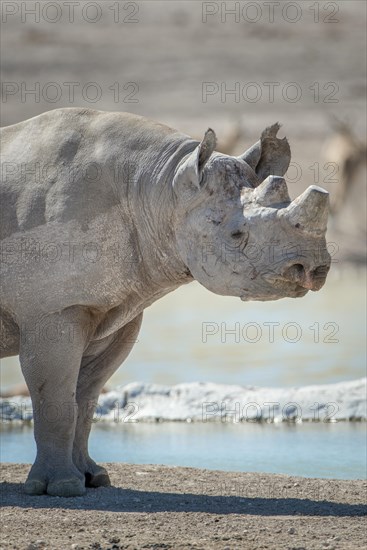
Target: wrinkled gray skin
104	213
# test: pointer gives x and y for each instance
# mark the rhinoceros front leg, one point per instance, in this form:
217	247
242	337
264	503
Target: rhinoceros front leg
100	361
51	350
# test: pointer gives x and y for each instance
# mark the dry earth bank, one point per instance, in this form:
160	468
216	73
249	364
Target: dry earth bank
163	507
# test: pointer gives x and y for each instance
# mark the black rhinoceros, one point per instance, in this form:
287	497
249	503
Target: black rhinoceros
104	213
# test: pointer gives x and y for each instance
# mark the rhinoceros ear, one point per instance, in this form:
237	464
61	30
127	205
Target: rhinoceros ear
191	169
270	156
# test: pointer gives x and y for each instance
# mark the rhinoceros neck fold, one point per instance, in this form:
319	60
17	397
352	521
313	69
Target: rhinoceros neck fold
153	204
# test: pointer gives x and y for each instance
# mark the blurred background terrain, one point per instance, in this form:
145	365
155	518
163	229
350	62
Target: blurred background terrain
192	65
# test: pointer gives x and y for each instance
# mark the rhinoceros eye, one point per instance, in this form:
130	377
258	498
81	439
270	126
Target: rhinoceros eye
237	234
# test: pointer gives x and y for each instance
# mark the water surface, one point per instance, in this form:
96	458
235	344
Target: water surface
323	450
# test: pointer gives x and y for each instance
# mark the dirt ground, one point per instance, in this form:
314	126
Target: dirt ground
163	507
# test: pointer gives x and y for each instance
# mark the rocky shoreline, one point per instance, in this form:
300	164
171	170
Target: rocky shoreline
209	402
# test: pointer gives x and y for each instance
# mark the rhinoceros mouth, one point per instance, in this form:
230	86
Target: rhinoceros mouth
297	292
289	288
277	290
275	294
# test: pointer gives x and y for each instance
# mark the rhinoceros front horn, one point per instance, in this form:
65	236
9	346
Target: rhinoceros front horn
272	191
309	211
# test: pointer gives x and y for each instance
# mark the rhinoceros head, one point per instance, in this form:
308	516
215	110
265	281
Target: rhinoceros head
237	229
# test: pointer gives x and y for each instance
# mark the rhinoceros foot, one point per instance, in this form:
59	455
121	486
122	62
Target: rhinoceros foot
95	475
99	478
35	487
62	483
72	487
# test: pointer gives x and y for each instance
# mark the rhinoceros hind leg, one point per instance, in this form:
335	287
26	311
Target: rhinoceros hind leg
100	360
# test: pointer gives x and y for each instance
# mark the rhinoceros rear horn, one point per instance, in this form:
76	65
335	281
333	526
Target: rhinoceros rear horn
270	155
272	191
309	211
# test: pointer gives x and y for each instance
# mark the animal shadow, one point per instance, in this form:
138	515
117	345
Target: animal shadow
115	499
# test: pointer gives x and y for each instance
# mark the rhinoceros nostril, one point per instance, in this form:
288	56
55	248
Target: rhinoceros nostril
295	272
306	278
298	269
320	272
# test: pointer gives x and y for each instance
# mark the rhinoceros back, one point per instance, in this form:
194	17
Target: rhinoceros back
73	164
